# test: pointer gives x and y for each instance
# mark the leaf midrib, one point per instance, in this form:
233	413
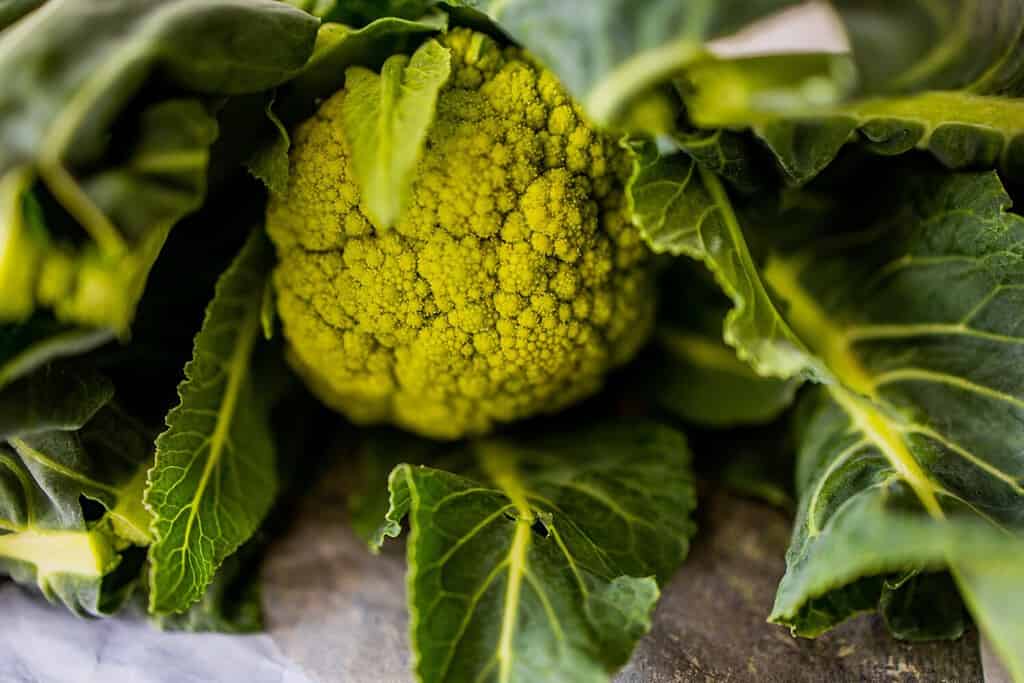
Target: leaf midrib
237	366
499	464
852	387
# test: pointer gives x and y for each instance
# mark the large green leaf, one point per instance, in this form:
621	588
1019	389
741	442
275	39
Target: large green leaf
682	208
387	117
62	441
913	307
118	172
796	106
906	309
609	52
214	478
542	561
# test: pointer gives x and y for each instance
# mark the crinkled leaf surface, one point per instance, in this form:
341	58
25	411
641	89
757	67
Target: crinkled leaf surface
607	52
231	603
61	440
735	157
387	117
214	478
906	308
542	561
912	459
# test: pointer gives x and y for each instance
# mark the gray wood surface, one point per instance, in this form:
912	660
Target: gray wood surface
339	612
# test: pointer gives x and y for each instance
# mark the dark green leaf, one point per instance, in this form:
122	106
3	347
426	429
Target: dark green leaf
908	462
318	8
905	308
923	607
12	10
733	156
937	76
63	441
27	346
269	161
380	451
542	561
759	465
682	208
231	603
214	478
796	106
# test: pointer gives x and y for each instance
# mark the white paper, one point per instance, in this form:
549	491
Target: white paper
43	643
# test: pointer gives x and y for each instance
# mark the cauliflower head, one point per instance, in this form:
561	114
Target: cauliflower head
511	283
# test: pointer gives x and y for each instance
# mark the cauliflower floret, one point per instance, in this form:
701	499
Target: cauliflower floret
510	284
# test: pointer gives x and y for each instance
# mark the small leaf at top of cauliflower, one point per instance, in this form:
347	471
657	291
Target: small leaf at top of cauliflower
508	287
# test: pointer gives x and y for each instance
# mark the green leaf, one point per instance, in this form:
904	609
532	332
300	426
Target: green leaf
269	161
387	118
905	47
214	478
697	377
116	190
759	464
62	441
22	243
12	10
704	382
796	106
40	339
905	308
380	451
231	603
923	606
318	8
301	430
735	157
610	52
909	459
359	12
543	560
339	47
682	208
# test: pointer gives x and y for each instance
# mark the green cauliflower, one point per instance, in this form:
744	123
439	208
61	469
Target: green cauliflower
512	281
